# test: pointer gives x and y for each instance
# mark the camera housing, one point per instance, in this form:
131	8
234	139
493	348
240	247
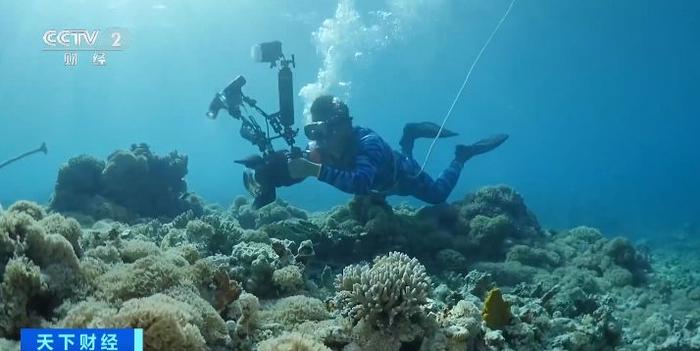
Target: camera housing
268	170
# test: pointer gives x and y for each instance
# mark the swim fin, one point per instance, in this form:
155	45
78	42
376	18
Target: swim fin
465	152
413	131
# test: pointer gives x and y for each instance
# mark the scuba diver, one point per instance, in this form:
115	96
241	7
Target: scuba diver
357	160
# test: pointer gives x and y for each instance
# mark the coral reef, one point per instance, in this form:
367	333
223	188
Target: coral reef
278	211
21	284
40	268
405	279
131	184
291	342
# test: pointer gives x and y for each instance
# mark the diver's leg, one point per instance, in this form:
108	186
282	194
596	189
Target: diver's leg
434	191
423	187
413	131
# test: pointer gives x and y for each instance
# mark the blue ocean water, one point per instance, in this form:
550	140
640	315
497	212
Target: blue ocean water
600	98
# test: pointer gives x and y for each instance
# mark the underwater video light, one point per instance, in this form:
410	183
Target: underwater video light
230	98
268	52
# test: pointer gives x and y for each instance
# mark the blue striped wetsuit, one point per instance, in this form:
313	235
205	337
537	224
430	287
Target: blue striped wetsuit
376	167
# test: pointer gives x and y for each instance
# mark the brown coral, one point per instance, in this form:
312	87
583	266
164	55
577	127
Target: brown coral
227	290
496	312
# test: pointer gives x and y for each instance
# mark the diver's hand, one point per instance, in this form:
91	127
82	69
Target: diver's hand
300	168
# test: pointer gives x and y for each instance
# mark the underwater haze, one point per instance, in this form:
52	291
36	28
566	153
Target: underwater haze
600	98
580	232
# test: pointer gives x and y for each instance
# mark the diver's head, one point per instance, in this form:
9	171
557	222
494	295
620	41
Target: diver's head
331	124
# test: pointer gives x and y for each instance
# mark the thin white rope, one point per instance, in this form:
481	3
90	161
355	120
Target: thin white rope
464	84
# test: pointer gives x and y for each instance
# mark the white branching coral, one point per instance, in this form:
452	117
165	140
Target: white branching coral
392	290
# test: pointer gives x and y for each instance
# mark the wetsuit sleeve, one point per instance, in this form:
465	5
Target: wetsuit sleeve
360	179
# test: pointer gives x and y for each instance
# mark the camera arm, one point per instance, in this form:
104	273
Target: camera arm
264	173
253	132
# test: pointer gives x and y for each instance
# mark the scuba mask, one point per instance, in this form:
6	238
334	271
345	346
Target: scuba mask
316	130
324	130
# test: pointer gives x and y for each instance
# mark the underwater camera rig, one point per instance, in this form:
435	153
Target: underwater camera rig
268	170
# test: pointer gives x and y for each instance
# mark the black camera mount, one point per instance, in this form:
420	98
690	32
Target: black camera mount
264	173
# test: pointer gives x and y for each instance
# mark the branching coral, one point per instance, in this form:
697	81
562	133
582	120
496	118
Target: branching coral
389	292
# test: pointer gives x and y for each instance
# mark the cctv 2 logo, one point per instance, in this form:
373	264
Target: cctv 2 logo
77	39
